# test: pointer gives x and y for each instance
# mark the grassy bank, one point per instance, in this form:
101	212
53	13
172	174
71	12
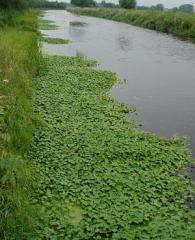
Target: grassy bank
19	64
178	24
100	177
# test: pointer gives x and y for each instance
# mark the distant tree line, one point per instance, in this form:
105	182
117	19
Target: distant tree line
91	3
128	4
158	7
188	8
21	4
107	4
47	4
83	3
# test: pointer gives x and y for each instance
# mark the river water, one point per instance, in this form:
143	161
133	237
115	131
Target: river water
159	70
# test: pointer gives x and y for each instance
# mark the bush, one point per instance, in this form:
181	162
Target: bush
127	3
17	4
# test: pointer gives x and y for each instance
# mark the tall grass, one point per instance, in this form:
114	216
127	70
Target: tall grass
179	24
19	63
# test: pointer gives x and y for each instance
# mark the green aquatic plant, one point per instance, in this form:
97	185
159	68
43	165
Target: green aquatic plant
44	21
77	24
99	176
47	25
54	40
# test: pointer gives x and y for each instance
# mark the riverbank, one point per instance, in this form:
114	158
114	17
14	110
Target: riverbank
19	64
100	177
179	24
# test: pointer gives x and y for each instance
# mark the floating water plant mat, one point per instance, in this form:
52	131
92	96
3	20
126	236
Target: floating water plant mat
100	177
47	25
54	40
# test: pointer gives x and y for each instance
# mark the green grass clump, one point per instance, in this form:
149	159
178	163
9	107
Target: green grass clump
47	25
17	213
54	40
179	24
19	63
100	177
21	21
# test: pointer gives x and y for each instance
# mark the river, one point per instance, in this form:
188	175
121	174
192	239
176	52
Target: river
158	69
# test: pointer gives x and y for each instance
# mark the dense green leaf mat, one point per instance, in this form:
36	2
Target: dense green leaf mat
100	177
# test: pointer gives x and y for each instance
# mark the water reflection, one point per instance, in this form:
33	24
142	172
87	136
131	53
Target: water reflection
124	43
77	33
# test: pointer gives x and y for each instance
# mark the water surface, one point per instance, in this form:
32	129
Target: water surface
159	69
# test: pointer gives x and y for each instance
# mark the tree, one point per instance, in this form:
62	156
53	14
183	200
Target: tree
83	3
160	7
143	8
186	8
174	9
107	4
17	4
127	3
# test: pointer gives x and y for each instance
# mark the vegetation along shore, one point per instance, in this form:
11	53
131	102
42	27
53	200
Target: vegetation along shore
19	64
179	24
72	165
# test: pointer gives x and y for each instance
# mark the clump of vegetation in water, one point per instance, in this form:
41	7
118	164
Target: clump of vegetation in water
54	40
100	177
179	24
47	25
77	24
19	63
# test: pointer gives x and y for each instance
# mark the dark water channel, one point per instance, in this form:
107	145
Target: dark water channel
159	69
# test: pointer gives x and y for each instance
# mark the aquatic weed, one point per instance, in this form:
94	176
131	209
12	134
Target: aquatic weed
54	40
100	177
